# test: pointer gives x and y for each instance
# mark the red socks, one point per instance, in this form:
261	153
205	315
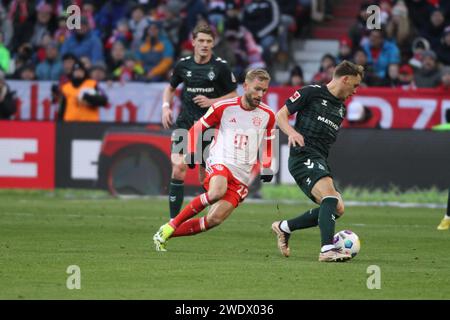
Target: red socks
195	206
191	227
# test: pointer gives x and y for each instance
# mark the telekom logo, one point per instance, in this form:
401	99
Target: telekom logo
12	157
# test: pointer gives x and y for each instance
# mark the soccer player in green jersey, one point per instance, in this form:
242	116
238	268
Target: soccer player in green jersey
206	79
320	111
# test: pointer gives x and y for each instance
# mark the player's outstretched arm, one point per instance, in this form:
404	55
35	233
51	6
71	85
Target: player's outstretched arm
294	138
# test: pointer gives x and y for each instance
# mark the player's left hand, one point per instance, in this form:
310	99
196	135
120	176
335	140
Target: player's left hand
267	175
202	101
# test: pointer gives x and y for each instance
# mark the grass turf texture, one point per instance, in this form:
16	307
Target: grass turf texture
42	233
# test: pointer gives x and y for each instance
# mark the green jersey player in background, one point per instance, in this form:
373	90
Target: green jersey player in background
206	79
320	111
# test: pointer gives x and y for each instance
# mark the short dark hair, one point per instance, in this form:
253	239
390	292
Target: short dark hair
202	28
347	68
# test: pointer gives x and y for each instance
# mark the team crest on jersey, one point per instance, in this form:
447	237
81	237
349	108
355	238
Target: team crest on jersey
295	96
257	121
341	112
211	75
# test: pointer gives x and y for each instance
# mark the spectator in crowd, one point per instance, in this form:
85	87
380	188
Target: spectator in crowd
172	24
5	26
287	27
5	57
262	19
392	76
81	97
8	100
88	11
68	60
406	77
27	72
380	52
22	14
23	56
445	81
156	53
98	72
370	78
115	57
110	13
345	50
121	33
42	26
419	46
246	52
419	13
130	70
325	73
360	116
359	29
399	27
138	23
443	51
51	68
296	78
429	75
435	28
61	33
84	43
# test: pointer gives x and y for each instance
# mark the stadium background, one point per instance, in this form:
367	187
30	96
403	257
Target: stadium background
404	161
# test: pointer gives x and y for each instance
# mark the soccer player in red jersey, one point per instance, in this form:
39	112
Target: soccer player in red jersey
244	126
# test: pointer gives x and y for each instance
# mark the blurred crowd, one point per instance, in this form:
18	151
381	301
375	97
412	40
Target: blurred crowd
140	40
411	50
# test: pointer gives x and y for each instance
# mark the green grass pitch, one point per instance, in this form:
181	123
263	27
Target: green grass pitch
42	233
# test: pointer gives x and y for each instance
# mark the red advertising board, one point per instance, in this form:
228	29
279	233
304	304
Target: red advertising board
27	153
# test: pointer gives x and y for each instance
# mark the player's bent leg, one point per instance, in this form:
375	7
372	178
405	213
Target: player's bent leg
325	193
218	213
176	187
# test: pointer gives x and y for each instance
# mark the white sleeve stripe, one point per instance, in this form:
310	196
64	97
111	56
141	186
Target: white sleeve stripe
204	123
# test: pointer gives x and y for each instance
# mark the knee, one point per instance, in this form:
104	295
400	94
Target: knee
215	194
340	208
179	171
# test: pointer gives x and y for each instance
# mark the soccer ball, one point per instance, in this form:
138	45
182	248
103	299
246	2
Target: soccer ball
348	241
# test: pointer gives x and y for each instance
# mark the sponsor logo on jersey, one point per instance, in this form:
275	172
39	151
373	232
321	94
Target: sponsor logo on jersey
199	90
328	122
257	121
211	75
295	96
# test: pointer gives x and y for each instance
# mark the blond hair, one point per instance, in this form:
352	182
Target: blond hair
260	74
202	28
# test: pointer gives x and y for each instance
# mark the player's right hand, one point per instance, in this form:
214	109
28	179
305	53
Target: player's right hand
296	139
189	159
166	118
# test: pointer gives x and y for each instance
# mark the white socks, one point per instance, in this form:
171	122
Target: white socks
284	226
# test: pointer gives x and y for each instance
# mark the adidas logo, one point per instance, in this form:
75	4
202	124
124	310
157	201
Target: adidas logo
233	120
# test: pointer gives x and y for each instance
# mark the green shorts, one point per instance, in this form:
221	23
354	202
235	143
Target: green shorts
307	169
